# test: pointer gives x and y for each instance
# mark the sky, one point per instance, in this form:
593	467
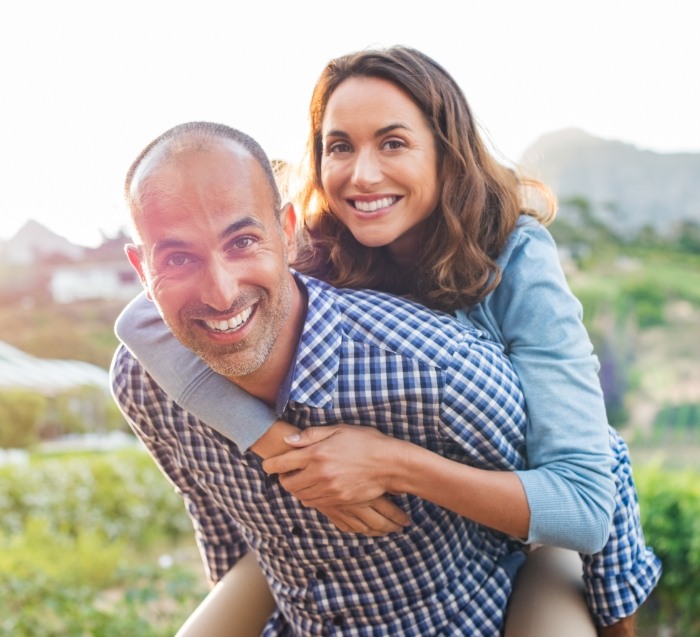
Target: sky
86	85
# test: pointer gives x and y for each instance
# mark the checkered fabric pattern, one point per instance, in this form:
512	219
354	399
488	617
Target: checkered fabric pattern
363	359
619	578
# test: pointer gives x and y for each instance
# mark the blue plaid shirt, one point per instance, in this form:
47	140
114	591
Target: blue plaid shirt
363	358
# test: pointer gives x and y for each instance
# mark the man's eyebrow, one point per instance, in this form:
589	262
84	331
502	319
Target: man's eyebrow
245	222
170	244
236	226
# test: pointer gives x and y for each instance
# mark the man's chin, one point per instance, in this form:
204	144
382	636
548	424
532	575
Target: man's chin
230	365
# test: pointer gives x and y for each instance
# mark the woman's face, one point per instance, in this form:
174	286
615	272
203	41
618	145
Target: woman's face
379	165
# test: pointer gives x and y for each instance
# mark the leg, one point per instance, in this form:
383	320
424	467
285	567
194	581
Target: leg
238	606
547	599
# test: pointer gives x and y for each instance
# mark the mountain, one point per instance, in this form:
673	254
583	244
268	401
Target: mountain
34	241
628	188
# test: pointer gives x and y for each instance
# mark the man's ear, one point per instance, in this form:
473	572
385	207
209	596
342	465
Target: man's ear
134	254
288	221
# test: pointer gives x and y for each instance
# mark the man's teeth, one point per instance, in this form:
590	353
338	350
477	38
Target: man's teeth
371	206
232	324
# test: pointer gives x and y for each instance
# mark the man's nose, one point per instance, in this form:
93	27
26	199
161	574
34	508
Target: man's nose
219	285
367	169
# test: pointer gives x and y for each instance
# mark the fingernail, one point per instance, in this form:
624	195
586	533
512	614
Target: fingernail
293	438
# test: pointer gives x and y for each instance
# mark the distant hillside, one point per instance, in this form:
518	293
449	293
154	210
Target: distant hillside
628	188
34	241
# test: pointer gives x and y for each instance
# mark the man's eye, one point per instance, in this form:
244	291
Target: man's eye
243	242
178	260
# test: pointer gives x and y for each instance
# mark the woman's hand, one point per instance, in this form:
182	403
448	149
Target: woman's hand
336	466
370	513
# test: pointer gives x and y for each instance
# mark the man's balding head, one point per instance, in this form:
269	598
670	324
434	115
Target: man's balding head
186	138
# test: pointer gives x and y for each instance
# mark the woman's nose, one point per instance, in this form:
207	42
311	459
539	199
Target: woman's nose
366	170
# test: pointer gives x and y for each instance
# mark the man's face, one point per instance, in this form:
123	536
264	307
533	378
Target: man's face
213	256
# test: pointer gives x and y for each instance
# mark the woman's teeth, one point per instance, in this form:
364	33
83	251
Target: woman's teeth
377	204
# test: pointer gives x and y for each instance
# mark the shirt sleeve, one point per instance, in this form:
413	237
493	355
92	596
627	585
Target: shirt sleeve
149	412
187	379
569	481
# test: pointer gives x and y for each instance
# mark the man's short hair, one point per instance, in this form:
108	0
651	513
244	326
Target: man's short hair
200	135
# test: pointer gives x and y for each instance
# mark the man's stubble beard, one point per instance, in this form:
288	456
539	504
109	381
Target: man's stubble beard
245	357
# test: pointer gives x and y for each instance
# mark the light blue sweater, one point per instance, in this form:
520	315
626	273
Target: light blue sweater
569	484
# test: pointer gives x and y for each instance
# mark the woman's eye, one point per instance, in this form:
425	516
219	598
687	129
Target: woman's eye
338	147
393	144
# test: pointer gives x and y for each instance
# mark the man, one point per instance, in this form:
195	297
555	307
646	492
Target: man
211	248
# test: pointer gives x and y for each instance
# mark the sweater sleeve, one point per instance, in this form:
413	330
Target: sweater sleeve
569	482
187	379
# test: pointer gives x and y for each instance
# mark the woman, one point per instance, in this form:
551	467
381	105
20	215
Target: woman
404	197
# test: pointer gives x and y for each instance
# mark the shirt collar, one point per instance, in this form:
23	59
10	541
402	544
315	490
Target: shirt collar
312	378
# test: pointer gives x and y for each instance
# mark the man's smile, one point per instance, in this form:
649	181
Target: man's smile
232	324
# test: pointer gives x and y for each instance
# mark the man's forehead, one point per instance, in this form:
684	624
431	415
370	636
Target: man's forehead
178	156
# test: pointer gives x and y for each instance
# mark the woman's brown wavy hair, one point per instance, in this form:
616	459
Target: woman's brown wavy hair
479	204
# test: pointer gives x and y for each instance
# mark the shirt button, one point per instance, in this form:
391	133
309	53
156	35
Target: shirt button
320	573
338	620
296	530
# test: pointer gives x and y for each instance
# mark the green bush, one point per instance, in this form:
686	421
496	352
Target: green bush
146	601
79	536
21	414
670	506
87	409
121	496
646	299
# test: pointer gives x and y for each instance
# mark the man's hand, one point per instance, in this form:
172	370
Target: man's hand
375	519
336	471
624	628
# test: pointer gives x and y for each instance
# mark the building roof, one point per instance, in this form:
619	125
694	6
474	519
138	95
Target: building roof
19	370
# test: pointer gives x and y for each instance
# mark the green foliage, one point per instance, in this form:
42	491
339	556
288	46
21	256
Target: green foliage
77	540
85	409
121	496
644	300
670	506
21	413
680	423
144	600
75	559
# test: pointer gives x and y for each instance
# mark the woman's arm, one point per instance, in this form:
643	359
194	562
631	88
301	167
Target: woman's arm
357	463
569	482
190	382
248	422
569	485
